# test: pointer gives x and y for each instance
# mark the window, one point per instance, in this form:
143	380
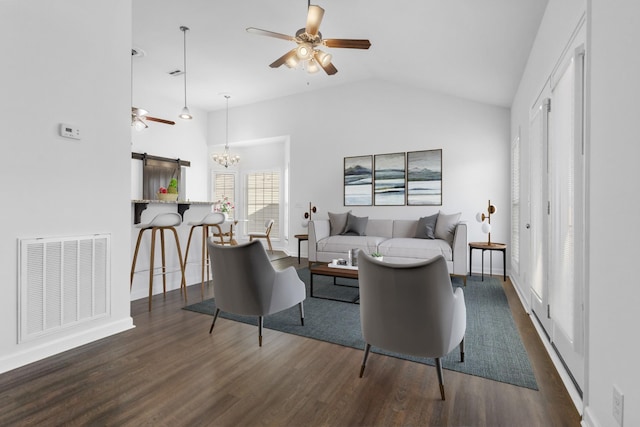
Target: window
224	185
263	201
515	204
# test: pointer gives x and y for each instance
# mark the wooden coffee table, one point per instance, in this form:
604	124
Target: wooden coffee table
325	270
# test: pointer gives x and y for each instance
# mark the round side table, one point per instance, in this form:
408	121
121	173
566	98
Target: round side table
485	246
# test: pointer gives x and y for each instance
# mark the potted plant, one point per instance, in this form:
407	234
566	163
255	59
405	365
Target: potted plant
169	193
377	255
225	206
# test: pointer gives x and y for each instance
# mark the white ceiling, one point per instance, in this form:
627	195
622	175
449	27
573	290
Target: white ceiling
475	49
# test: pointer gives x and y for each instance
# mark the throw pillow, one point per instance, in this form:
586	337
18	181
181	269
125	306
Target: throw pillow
356	225
445	226
337	222
427	227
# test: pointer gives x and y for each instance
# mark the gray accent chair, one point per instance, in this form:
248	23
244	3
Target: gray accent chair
411	309
245	283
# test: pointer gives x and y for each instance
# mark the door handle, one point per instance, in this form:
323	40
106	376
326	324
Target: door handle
528	226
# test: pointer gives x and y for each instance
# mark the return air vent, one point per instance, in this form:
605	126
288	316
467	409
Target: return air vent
62	282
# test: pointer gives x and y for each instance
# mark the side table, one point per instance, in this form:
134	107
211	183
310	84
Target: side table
485	246
300	238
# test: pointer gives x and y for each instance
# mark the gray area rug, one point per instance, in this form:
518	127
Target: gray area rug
493	348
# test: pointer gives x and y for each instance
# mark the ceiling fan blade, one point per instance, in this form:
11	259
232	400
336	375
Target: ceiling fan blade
260	32
330	69
347	43
314	18
283	59
155	119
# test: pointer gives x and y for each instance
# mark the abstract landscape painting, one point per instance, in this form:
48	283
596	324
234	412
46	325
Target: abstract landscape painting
424	177
389	179
357	181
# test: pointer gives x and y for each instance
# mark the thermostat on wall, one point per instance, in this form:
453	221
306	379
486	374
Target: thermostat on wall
69	131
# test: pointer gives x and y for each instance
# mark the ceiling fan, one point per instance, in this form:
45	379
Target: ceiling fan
138	117
308	40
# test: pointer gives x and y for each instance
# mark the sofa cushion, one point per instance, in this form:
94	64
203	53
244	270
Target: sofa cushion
446	226
342	244
427	227
407	247
381	227
356	225
337	222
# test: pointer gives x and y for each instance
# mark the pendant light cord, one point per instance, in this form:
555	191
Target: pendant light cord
227	125
184	31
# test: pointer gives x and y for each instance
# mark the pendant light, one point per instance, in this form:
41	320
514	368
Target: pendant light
185	114
226	159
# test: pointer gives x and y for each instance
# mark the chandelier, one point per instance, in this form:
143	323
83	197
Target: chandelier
226	159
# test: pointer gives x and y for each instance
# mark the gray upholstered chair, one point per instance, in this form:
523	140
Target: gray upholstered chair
264	234
245	283
411	309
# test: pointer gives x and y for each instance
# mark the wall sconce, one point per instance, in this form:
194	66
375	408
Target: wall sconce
486	220
307	215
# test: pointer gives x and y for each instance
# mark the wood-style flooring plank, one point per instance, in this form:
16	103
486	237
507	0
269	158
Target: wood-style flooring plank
169	371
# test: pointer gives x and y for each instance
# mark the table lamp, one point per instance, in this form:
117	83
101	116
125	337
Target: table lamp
307	215
486	220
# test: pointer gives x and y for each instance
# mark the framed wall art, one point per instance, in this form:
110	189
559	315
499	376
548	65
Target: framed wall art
358	181
389	179
424	178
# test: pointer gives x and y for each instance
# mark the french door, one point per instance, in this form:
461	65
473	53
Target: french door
558	212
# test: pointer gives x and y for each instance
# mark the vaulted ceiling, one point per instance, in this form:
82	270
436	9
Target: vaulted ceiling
474	49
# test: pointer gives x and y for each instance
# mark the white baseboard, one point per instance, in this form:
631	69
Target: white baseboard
68	342
588	419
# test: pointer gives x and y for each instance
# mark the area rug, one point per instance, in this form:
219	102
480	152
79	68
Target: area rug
493	348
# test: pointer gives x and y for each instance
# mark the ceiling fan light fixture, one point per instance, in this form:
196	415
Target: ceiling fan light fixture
139	112
312	67
304	51
138	124
323	58
292	61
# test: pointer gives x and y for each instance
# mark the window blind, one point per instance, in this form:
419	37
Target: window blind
263	201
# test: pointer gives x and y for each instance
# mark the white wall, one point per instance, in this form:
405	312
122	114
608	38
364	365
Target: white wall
375	117
185	140
614	294
54	53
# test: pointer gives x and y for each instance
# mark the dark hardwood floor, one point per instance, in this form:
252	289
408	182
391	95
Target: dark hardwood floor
169	371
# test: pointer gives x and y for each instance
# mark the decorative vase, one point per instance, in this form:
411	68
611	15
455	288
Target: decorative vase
226	216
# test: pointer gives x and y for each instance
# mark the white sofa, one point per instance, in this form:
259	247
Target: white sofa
393	239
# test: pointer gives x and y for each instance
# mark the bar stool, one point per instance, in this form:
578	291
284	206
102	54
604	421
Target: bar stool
210	220
163	221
